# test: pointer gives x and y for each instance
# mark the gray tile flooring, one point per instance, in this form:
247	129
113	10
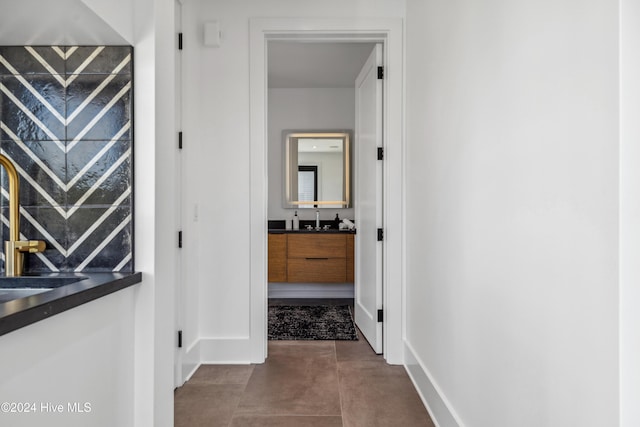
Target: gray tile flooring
303	383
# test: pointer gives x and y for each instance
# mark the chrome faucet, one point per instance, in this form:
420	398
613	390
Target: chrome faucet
317	219
14	247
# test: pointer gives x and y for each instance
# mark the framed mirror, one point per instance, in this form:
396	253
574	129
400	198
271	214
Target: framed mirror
317	169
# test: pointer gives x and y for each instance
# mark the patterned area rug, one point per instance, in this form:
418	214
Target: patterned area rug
309	322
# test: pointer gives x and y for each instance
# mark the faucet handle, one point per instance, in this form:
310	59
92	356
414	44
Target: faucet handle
31	246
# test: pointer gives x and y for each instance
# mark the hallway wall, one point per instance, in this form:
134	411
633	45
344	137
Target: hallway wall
629	212
216	226
306	108
512	203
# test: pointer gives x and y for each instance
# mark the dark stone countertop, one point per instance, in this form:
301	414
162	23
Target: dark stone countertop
329	231
278	227
25	310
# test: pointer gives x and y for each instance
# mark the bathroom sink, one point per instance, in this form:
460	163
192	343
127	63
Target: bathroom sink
37	282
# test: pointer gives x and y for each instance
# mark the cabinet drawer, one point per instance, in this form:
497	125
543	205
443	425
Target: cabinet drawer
317	246
332	270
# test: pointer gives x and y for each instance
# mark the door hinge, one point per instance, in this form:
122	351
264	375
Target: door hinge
180	239
180	140
179	339
380	73
380	315
380	153
380	235
179	41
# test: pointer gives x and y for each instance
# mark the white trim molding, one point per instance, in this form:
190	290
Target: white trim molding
225	351
436	403
190	362
388	31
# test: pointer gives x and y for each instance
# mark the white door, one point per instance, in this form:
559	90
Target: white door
368	200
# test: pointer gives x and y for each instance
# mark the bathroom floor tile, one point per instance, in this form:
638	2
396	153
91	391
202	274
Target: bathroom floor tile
359	350
209	405
285	421
298	378
222	374
303	384
377	394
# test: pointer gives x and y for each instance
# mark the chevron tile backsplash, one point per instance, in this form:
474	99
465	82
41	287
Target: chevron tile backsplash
66	123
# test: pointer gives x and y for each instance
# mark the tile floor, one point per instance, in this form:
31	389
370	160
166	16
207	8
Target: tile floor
303	384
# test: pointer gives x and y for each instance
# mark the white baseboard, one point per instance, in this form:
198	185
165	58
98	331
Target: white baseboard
225	351
437	404
215	351
311	290
191	360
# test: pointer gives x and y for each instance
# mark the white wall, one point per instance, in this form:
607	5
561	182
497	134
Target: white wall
512	203
155	213
303	109
83	355
629	213
216	126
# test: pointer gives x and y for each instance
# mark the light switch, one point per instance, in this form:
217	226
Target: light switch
212	34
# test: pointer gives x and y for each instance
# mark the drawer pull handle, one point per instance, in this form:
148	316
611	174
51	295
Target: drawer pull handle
317	258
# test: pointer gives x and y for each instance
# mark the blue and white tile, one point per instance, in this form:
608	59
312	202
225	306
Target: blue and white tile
100	60
100	238
98	107
32	108
32	60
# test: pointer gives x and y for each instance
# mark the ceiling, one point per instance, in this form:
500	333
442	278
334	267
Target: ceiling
294	64
60	22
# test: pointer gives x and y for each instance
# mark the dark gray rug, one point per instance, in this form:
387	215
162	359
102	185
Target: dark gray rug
311	322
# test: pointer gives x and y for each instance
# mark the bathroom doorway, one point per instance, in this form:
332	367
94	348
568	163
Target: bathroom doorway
312	86
388	32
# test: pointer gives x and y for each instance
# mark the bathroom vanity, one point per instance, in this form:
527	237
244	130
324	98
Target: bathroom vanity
311	257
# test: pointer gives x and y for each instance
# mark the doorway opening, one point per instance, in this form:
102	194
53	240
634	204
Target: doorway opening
388	33
315	87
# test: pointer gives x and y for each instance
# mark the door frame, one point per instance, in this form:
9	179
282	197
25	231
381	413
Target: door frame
180	280
389	32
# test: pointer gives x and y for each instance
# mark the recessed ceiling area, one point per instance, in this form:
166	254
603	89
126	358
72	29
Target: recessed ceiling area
296	64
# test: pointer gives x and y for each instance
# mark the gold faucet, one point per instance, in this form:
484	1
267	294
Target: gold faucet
14	247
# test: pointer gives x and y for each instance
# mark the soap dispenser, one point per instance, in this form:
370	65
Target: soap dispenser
336	222
296	221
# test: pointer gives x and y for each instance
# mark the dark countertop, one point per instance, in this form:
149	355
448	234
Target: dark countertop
278	227
26	310
329	231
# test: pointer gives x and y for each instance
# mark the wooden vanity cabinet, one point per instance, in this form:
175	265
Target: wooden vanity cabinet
311	258
277	257
350	258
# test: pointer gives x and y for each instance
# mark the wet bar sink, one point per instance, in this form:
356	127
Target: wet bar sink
10	294
38	282
12	288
